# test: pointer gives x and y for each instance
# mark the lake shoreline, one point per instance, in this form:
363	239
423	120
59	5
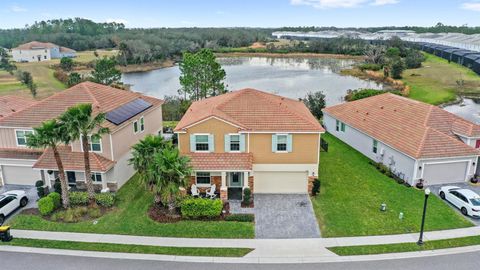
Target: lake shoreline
134	68
289	55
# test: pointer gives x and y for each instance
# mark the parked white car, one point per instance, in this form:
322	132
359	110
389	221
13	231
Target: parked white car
464	199
10	201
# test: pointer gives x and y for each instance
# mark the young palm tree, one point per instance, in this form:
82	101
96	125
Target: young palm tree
51	134
169	171
81	124
142	156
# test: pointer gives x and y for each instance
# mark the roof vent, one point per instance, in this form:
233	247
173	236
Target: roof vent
381	107
366	113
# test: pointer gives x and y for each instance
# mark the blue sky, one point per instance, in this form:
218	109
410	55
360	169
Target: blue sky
261	13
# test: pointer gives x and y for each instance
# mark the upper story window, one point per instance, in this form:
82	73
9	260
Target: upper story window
94	144
375	146
201	143
340	126
282	143
22	136
142	124
135	127
234	142
139	125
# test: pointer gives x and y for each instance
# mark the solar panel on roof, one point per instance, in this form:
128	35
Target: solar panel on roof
127	111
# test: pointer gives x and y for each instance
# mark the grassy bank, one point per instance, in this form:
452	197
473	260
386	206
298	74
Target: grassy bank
131	217
107	247
352	191
406	247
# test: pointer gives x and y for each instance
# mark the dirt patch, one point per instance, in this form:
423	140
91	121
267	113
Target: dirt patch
160	214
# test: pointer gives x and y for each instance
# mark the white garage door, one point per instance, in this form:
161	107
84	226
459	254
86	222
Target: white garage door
280	182
20	175
445	173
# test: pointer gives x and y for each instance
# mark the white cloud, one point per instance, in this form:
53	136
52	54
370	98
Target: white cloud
17	8
322	4
475	6
118	20
384	2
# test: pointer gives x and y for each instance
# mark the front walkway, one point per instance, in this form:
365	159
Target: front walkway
284	216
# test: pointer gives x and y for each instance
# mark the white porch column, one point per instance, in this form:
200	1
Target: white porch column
245	180
104	183
224	179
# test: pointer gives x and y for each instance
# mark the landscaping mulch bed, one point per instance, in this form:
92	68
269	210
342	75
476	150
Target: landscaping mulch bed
160	214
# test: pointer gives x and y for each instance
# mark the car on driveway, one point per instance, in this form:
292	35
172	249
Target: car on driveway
10	201
464	199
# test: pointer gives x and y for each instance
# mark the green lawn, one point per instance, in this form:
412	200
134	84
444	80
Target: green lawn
352	191
107	247
436	81
131	217
406	247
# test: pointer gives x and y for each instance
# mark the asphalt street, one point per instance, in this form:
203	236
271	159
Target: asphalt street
21	261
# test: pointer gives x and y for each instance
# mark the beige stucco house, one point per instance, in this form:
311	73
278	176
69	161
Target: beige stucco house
35	51
130	117
250	138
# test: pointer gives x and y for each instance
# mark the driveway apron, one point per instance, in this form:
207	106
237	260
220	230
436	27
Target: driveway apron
284	216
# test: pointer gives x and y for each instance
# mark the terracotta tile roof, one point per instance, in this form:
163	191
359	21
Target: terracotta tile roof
253	110
16	153
35	45
103	98
11	104
415	128
73	161
221	161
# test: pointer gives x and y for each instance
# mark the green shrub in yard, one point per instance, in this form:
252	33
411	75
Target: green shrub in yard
94	212
40	188
316	187
240	217
105	199
201	208
46	206
57	199
369	66
78	198
247	195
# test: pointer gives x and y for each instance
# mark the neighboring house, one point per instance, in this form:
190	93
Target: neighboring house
249	138
40	51
12	104
414	139
130	117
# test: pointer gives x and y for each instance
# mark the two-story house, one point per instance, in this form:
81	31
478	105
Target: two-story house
130	117
35	51
250	138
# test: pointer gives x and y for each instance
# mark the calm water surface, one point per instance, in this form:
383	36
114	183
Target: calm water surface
291	77
469	109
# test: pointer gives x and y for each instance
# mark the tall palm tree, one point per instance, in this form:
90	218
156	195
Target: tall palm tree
81	125
51	134
169	171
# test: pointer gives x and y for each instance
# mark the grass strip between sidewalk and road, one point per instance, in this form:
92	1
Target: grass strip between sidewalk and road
406	247
127	248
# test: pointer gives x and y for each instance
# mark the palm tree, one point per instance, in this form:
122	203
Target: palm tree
169	171
142	156
81	124
51	134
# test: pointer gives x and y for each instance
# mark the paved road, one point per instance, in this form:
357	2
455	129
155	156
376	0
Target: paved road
21	261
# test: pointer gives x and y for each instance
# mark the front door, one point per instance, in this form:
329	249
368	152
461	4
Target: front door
72	180
235	183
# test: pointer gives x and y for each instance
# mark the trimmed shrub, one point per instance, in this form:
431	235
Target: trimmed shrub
247	196
105	199
39	183
40	188
201	208
240	218
94	212
316	187
46	206
57	199
78	198
369	66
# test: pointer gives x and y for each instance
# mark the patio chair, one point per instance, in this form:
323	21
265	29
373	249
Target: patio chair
194	190
211	192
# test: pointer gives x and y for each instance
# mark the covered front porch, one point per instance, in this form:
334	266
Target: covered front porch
229	173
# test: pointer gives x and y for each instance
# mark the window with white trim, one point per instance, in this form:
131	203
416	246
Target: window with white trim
282	142
203	178
337	125
135	127
142	124
97	177
375	146
201	143
235	142
94	145
22	136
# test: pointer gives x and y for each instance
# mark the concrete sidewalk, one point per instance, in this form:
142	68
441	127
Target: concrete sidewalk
263	248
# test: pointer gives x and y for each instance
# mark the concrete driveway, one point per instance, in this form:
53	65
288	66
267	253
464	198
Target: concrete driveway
284	216
435	189
31	194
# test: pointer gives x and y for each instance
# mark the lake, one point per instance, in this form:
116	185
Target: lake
290	77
